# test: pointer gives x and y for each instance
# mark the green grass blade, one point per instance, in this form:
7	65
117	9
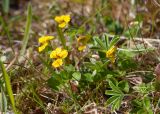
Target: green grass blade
8	86
5	6
3	101
5	28
27	30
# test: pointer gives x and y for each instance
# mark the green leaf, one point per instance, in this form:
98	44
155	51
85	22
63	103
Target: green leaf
106	38
76	75
64	75
8	86
54	83
115	88
114	81
100	43
69	68
113	41
97	66
124	86
106	63
111	92
27	30
150	111
88	77
117	103
147	103
95	48
111	100
141	111
137	103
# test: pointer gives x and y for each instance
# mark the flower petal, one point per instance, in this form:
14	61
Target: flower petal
83	39
58	19
41	48
111	51
57	63
110	54
63	54
62	20
44	39
67	18
55	53
62	25
81	48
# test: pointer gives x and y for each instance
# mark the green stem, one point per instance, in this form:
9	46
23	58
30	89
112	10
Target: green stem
61	37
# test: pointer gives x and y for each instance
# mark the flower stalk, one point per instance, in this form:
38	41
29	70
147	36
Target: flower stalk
61	37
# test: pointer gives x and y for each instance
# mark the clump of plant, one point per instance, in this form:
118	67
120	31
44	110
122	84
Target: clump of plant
79	62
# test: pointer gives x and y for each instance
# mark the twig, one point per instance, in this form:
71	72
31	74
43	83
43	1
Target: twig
156	3
146	40
13	61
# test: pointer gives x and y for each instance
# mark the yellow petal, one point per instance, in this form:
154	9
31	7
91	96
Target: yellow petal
81	48
44	39
110	54
41	48
83	39
112	58
58	19
62	25
62	20
57	63
66	18
53	54
111	51
63	54
56	53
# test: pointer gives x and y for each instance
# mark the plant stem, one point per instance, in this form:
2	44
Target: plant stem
61	37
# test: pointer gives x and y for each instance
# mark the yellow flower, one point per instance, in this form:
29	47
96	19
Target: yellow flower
59	53
83	39
41	48
57	63
62	20
80	48
82	42
111	53
45	39
55	53
63	54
